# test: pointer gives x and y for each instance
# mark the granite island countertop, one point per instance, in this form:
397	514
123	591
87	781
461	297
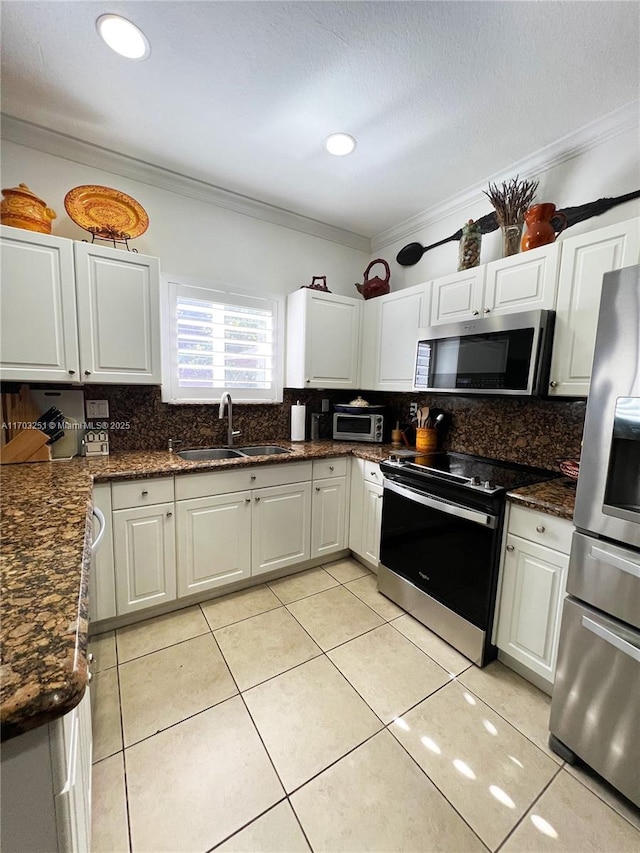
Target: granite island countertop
553	497
45	552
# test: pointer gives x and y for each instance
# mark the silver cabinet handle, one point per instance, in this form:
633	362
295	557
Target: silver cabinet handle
487	310
553	383
253	476
540	528
317	488
71	372
379	497
308	381
256	499
612	639
331	467
475	313
103	526
169	515
615	561
87	373
144	493
510	548
374	473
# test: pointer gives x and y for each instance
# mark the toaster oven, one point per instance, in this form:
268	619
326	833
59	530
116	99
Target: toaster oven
365	427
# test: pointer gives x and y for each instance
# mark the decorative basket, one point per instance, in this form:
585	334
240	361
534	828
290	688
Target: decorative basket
570	468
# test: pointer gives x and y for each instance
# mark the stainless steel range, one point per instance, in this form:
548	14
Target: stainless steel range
442	518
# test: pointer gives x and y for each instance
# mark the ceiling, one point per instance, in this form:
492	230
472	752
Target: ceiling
439	95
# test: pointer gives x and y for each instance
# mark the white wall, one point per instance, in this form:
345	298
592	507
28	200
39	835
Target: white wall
606	170
191	237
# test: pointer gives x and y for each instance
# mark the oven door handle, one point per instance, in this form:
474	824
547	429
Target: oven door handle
442	505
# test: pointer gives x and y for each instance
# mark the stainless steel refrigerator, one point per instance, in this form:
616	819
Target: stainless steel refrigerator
595	707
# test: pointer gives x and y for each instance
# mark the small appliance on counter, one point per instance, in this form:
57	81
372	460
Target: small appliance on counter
358	421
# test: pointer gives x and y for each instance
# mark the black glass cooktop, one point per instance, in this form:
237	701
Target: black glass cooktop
477	472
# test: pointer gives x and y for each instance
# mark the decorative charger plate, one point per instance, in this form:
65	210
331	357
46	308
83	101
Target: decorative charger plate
103	210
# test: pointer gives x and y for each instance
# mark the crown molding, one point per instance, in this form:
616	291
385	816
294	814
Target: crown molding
618	121
70	148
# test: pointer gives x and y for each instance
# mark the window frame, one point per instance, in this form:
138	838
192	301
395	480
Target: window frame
176	286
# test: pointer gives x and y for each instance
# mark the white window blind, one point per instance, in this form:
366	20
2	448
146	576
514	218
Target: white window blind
222	340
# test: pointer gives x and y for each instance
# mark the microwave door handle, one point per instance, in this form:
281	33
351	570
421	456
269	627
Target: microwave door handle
442	506
615	561
611	638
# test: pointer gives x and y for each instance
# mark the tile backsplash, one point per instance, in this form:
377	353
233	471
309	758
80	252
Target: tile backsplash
529	431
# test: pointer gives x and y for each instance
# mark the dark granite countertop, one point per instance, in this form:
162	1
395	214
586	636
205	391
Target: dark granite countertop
555	497
45	555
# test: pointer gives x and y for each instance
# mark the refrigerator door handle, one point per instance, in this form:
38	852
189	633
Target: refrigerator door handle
615	561
611	638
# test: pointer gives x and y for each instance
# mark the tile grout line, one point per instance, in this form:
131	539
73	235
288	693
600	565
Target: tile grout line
527	810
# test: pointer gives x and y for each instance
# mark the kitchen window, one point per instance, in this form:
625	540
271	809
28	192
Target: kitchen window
219	339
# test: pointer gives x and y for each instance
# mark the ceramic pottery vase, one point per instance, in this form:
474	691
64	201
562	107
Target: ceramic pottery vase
540	231
21	208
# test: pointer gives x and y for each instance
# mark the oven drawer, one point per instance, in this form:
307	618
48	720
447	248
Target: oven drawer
541	528
606	576
592	710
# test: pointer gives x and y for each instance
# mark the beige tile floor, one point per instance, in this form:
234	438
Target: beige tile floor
311	713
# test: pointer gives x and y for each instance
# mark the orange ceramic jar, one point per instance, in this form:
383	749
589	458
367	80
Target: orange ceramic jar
540	231
21	208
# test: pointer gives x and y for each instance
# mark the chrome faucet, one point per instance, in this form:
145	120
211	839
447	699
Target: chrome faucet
226	398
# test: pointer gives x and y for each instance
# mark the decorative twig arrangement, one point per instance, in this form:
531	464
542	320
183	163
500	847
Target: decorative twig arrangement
512	200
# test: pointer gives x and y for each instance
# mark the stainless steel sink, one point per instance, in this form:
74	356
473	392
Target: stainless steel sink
203	453
262	450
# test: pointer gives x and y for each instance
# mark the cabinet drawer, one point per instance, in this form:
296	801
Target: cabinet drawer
250	477
541	528
372	473
323	468
142	492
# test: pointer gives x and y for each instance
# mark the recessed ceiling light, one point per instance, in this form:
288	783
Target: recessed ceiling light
123	37
340	144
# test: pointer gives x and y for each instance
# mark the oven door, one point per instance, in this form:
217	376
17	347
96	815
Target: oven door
445	549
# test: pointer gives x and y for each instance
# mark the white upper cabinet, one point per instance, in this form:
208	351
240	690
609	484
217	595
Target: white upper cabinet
585	259
457	296
523	282
118	310
39	330
389	338
323	340
77	312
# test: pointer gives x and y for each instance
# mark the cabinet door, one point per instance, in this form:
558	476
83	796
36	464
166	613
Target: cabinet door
328	514
145	560
281	527
523	282
370	342
533	586
585	259
118	315
102	581
38	325
371	522
457	296
323	340
214	541
401	315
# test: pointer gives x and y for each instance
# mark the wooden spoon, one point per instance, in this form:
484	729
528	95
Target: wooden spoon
425	415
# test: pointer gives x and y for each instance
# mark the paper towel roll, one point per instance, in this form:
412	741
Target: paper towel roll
298	416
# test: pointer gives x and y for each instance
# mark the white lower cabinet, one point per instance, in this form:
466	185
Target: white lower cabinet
144	556
280	527
46	786
366	510
328	527
102	582
534	578
213	541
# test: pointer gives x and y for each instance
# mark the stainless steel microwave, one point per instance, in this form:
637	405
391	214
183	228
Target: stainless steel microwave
506	355
347	427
